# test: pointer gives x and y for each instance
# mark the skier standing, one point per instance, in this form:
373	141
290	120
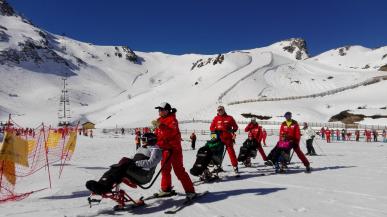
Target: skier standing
169	139
193	140
343	132
226	126
384	134
367	134
309	134
328	135
338	134
322	131
375	134
137	140
357	135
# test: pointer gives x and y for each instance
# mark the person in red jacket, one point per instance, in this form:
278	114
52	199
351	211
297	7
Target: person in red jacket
226	126
193	140
169	139
322	131
367	134
337	134
290	131
357	135
328	135
256	131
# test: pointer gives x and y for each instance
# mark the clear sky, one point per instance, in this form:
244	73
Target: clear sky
212	26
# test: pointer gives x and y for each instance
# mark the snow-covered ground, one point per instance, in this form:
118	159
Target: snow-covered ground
348	179
105	87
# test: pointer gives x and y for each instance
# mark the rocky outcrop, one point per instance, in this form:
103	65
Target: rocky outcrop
259	117
383	68
342	50
127	52
4	37
298	47
37	52
349	118
212	60
6	9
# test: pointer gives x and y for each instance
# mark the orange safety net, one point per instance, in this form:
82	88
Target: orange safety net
25	151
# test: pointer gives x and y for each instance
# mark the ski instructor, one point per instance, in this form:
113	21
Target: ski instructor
169	139
290	131
226	126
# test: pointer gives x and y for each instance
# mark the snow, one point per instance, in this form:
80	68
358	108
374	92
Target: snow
112	91
347	180
356	57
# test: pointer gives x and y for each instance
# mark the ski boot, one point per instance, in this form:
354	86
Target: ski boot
308	169
162	193
247	162
97	187
269	163
236	171
206	175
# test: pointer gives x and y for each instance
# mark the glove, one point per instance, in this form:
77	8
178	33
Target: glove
155	123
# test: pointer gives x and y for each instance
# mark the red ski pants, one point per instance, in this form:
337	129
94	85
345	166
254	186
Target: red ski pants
231	152
175	161
301	155
262	152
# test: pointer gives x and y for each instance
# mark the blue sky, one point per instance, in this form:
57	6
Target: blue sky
212	26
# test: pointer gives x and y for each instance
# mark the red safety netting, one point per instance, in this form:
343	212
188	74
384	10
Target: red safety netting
25	151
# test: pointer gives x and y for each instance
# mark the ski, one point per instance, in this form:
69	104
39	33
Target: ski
156	195
209	180
187	202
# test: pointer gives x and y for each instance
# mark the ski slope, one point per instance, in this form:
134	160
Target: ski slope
347	180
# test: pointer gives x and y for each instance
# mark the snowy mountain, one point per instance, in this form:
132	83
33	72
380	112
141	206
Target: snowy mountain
113	85
116	86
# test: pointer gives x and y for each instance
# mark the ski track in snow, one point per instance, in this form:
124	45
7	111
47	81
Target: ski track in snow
235	70
250	73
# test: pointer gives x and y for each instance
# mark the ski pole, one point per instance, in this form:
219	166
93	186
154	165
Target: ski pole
322	151
291	156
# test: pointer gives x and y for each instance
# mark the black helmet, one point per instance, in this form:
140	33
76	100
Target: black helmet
150	138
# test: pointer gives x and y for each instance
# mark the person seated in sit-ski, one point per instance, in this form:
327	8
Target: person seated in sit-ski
139	169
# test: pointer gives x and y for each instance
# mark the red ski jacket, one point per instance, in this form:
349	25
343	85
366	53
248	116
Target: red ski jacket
291	133
168	132
226	124
328	133
255	130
